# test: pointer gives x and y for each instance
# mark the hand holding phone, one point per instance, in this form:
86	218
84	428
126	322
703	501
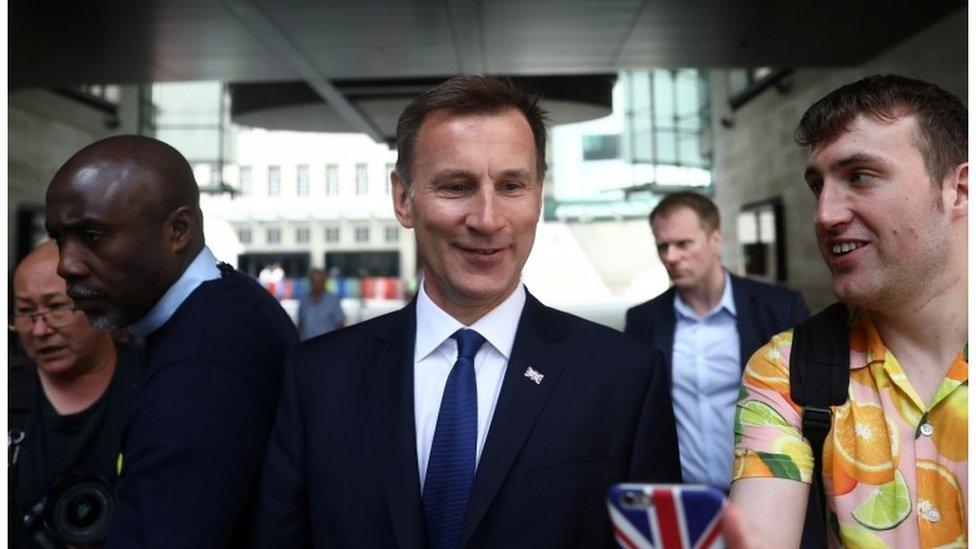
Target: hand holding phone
666	516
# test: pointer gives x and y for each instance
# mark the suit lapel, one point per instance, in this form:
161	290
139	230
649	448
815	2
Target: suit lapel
745	311
389	395
519	404
664	326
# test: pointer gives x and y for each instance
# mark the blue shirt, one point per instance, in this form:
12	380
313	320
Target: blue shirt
201	269
318	317
706	375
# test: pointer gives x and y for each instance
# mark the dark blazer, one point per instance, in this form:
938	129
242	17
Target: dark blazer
341	468
198	426
762	311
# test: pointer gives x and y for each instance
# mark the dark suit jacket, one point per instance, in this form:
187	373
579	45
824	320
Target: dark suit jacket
341	467
198	426
762	311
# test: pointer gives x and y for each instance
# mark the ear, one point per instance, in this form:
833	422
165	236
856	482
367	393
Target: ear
955	191
180	227
716	239
401	201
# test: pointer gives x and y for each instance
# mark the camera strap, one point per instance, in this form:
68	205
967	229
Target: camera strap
15	437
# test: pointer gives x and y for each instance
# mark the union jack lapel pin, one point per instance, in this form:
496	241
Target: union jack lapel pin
534	375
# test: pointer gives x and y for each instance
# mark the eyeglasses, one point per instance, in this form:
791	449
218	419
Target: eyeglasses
57	316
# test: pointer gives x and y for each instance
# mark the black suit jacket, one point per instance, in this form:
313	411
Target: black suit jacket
341	468
762	311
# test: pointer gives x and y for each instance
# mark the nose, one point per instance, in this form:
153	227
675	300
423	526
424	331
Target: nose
70	264
832	208
669	255
485	215
39	326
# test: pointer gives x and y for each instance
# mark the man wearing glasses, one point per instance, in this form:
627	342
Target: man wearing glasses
70	417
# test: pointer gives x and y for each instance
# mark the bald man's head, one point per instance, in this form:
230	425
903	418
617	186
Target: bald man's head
125	212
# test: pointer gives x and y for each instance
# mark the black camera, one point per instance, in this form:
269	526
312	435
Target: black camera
75	511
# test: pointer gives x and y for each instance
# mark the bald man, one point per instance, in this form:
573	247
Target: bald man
126	216
82	382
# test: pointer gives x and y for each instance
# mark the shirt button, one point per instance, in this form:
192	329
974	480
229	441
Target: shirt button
926	429
933	516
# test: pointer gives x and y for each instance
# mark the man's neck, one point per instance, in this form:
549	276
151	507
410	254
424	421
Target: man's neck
466	313
704	297
70	395
926	333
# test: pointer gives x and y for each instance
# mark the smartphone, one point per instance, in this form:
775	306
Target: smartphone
666	516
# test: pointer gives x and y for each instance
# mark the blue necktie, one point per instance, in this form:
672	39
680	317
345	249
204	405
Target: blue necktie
450	468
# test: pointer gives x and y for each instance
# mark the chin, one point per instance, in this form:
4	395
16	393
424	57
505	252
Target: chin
486	290
58	367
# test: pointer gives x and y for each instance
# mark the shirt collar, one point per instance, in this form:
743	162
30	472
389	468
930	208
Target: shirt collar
200	270
726	302
498	326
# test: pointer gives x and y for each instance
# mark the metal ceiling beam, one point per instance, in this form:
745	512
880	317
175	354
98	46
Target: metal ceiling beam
255	19
466	34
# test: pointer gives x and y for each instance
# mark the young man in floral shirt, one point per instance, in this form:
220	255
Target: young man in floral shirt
888	167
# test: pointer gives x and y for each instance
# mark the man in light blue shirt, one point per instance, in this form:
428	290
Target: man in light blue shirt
707	326
319	312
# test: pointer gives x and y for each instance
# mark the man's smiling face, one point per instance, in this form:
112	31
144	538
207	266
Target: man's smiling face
474	203
879	223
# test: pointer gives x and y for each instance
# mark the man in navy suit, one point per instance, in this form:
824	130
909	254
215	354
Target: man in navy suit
707	326
475	416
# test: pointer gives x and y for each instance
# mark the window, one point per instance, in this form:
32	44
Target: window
274	180
388	187
244	235
362	180
302	235
601	147
274	236
332	234
245	180
301	183
331	179
392	234
362	233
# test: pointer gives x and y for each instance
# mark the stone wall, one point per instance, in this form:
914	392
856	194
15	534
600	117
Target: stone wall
756	158
44	130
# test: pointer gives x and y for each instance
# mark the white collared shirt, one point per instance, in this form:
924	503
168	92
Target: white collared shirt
435	353
706	375
201	269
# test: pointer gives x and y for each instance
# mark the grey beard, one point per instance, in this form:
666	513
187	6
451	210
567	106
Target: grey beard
106	321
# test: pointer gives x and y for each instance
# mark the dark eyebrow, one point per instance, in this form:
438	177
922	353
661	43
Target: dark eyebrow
855	158
517	173
452	174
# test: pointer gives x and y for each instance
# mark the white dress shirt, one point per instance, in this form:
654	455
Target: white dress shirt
435	353
706	374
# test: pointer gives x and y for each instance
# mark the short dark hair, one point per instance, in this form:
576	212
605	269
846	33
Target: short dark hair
467	95
698	203
941	117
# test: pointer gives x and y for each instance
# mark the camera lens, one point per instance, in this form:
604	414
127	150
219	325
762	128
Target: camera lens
82	510
78	509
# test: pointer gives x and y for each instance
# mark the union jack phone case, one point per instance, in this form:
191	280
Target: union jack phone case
666	516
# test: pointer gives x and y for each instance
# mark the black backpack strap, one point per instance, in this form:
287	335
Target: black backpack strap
819	378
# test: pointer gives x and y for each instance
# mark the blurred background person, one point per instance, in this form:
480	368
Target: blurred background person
70	417
706	325
319	311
